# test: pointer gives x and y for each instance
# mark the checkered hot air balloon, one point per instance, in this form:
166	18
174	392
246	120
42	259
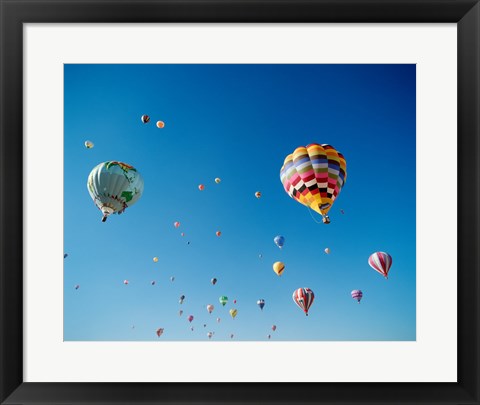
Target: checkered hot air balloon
314	176
381	262
303	297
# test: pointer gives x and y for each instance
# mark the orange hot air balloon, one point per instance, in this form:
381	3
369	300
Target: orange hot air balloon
201	187
160	124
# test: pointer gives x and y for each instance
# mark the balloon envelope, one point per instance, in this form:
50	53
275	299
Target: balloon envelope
279	241
380	262
223	300
89	144
357	295
159	332
261	303
233	313
303	297
278	267
145	118
258	194
160	124
210	308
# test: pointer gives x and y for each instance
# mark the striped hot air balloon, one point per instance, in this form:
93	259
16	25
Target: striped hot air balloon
381	262
314	176
357	295
303	297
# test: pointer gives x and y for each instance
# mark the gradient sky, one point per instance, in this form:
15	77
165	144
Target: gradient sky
239	122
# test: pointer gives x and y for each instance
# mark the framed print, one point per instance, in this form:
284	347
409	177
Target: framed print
269	160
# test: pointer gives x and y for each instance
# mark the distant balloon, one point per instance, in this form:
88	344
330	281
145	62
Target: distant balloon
65	255
303	297
258	194
89	144
155	259
231	336
274	327
223	300
342	211
125	282
233	313
357	295
269	336
327	251
278	267
261	303
217	180
191	328
213	281
176	224
209	334
201	187
279	241
180	313
182	297
159	332
234	301
190	318
260	256
152	282
114	187
314	176
182	234
210	308
381	262
160	124
218	233
145	118
204	325
77	287
218	320
172	279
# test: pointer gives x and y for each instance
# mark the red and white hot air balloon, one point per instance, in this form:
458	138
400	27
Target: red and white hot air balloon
381	262
303	297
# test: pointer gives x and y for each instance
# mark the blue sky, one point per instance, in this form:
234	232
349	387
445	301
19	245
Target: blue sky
238	123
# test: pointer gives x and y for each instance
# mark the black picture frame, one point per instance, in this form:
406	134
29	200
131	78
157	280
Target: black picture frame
14	13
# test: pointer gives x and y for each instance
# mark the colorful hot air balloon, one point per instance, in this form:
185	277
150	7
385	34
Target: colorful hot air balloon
182	234
278	267
125	282
223	300
77	287
176	224
218	233
233	313
279	241
201	187
159	332
217	180
218	320
381	262
234	301
210	334
160	124
114	186
327	251
357	295
261	303
182	297
274	327
258	194
89	144
145	118
190	318
314	176
155	259
303	297
210	308
213	281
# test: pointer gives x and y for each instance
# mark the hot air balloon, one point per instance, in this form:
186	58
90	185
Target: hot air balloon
260	256
342	212
191	328
314	176
180	313
261	303
145	118
213	281
327	251
77	287
234	301
182	297
274	327
258	194
218	233
89	144
125	282
190	318
217	180
152	282
231	336
381	262
65	255
201	187
159	332
182	234
155	259
279	241
210	308
223	300
176	224
357	295
218	320
269	336
172	279
160	124
233	313
114	186
278	267
209	334
303	297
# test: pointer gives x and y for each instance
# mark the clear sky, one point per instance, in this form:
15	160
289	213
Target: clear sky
238	123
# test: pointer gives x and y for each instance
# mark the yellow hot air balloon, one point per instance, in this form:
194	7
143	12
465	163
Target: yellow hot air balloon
233	313
217	180
89	144
155	259
278	267
314	176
